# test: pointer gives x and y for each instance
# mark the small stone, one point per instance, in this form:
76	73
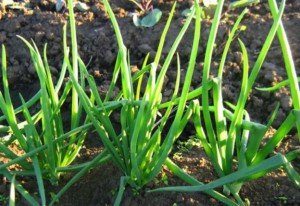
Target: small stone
122	13
134	69
97	73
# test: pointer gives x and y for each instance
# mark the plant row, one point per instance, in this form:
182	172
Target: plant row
140	144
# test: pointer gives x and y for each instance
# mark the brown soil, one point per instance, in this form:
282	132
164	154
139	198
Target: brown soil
97	45
100	185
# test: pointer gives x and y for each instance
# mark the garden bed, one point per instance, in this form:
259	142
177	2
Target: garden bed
98	46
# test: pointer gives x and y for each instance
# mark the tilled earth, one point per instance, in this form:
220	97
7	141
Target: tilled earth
97	46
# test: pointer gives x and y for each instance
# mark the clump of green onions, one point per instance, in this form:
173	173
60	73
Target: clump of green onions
140	150
232	140
48	149
140	145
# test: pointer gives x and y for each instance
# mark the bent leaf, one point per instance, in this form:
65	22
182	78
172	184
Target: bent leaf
149	20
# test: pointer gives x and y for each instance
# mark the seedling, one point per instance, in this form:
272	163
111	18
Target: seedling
62	6
150	16
145	6
14	5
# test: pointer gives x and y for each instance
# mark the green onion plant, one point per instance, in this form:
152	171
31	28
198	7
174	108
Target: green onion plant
47	144
140	142
140	148
230	139
289	63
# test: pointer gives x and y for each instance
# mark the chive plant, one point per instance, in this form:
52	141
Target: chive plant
232	141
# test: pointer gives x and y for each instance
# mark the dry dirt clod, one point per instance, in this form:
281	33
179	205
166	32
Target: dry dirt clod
286	102
238	57
39	36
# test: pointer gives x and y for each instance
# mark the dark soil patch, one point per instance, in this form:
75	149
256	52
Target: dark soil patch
100	185
97	45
